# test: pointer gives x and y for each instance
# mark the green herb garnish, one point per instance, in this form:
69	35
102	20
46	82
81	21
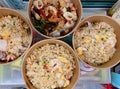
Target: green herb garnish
13	23
8	52
82	37
39	25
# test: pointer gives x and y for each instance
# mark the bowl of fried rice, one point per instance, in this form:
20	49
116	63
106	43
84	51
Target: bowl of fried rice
96	41
15	35
50	64
54	18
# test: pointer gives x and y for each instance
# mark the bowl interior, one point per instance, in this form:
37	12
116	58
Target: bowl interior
76	70
79	13
7	11
115	59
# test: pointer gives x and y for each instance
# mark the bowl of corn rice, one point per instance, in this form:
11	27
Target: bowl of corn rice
96	41
50	64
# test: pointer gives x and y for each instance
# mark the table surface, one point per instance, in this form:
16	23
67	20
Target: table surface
10	75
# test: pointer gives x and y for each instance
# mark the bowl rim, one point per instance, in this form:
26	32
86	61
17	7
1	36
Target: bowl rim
31	33
59	37
54	42
96	15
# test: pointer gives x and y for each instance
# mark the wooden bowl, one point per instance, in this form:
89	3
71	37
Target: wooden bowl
51	41
115	59
79	14
11	12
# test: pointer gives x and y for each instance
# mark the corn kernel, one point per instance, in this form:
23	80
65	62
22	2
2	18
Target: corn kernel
105	37
45	79
16	42
5	33
62	59
87	39
80	51
62	77
66	83
60	69
98	38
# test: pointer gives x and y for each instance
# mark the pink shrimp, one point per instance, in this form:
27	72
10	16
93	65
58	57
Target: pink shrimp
47	68
56	19
11	57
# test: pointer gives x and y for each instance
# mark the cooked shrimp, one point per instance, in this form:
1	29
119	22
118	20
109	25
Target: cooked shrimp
10	57
56	19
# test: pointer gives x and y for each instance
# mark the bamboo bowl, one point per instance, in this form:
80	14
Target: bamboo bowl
51	41
115	58
79	14
11	12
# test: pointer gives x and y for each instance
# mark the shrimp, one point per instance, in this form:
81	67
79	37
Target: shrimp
52	10
38	4
54	19
11	57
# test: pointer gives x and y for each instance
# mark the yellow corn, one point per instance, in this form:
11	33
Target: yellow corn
60	69
87	39
5	33
6	37
98	38
62	77
62	59
45	79
16	42
66	83
80	51
105	36
102	51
